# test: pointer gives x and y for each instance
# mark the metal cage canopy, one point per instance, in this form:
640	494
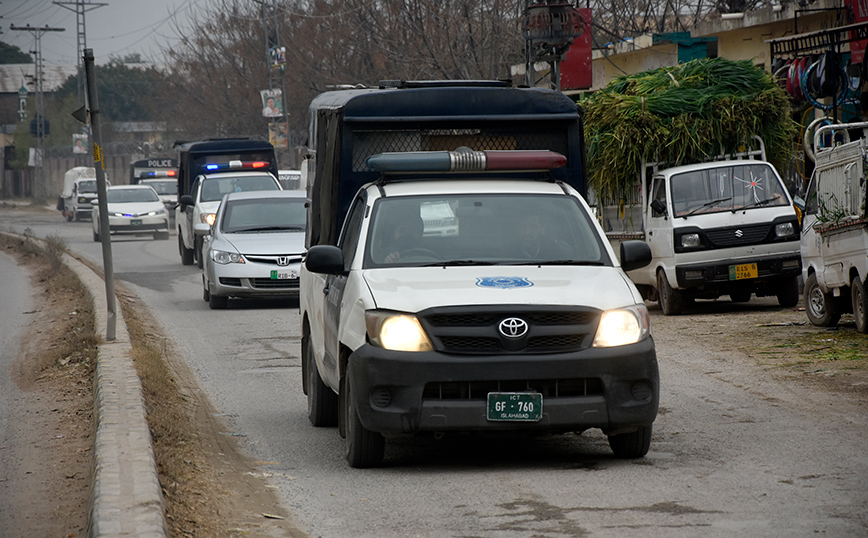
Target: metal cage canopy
552	25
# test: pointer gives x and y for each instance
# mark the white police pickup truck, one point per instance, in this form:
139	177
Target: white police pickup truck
508	312
195	212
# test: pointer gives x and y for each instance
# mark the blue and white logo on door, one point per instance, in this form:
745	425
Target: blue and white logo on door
503	282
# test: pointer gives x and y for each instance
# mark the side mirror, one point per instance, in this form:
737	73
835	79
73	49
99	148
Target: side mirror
658	206
186	200
634	255
326	259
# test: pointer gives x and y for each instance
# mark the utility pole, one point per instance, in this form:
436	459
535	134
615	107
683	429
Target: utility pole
276	61
40	187
80	8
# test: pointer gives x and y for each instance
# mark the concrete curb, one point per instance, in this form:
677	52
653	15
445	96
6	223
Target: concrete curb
125	498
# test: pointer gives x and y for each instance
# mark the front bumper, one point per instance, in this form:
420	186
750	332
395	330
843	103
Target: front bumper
143	225
718	272
615	389
251	279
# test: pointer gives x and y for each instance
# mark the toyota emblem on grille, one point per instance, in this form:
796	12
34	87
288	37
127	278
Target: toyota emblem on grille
283	261
513	327
739	233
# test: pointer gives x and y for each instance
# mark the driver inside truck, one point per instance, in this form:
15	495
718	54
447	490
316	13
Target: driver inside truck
405	236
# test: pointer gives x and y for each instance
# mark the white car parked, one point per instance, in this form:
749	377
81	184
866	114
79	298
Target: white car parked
133	209
255	246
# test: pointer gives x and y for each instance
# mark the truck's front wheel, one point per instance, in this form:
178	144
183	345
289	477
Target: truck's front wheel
322	402
788	292
671	301
364	447
631	445
860	304
821	308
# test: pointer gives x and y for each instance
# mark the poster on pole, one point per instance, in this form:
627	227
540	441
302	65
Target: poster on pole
277	55
272	103
277	134
79	144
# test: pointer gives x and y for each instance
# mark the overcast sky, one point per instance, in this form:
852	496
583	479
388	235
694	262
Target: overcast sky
118	28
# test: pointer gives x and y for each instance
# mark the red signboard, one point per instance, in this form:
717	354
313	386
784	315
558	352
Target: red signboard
859	9
576	66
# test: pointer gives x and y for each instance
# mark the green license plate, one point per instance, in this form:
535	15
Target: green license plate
515	406
283	275
740	272
136	222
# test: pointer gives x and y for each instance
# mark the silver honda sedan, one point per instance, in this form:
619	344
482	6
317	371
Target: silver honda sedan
255	247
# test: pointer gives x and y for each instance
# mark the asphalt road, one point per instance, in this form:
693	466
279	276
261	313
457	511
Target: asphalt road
732	453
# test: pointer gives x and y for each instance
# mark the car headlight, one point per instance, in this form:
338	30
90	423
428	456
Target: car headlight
623	326
396	331
223	257
208	218
690	240
784	229
157	212
117	214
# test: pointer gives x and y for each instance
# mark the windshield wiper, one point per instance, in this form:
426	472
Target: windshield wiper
458	263
755	204
554	262
706	204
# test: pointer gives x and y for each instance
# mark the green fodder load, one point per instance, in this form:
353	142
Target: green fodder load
682	114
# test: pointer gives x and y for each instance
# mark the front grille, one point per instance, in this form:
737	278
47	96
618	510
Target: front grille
274	284
474	329
478	390
292	258
739	235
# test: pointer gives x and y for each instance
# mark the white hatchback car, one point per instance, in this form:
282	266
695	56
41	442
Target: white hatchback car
255	246
133	209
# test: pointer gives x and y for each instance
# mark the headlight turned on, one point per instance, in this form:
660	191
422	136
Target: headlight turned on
208	218
623	326
396	331
222	257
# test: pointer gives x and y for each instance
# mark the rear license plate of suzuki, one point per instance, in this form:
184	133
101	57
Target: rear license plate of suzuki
514	406
283	275
741	272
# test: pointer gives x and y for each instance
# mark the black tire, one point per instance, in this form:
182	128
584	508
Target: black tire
69	217
197	246
631	445
788	292
95	237
671	301
216	302
322	402
186	253
365	448
822	308
206	295
740	296
860	304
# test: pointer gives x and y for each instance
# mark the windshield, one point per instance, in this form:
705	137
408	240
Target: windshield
263	215
480	229
87	186
213	188
726	188
126	196
164	187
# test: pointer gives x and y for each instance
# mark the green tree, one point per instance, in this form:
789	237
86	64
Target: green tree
10	54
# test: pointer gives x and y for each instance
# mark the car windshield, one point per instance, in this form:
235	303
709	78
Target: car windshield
87	186
129	196
727	188
164	187
482	229
213	188
264	215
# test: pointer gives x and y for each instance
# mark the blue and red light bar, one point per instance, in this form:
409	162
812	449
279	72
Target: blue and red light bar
466	160
157	173
236	165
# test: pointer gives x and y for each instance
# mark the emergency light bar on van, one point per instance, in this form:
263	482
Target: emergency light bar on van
158	173
466	160
236	165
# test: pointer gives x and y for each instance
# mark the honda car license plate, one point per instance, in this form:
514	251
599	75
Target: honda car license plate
283	275
739	272
515	406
